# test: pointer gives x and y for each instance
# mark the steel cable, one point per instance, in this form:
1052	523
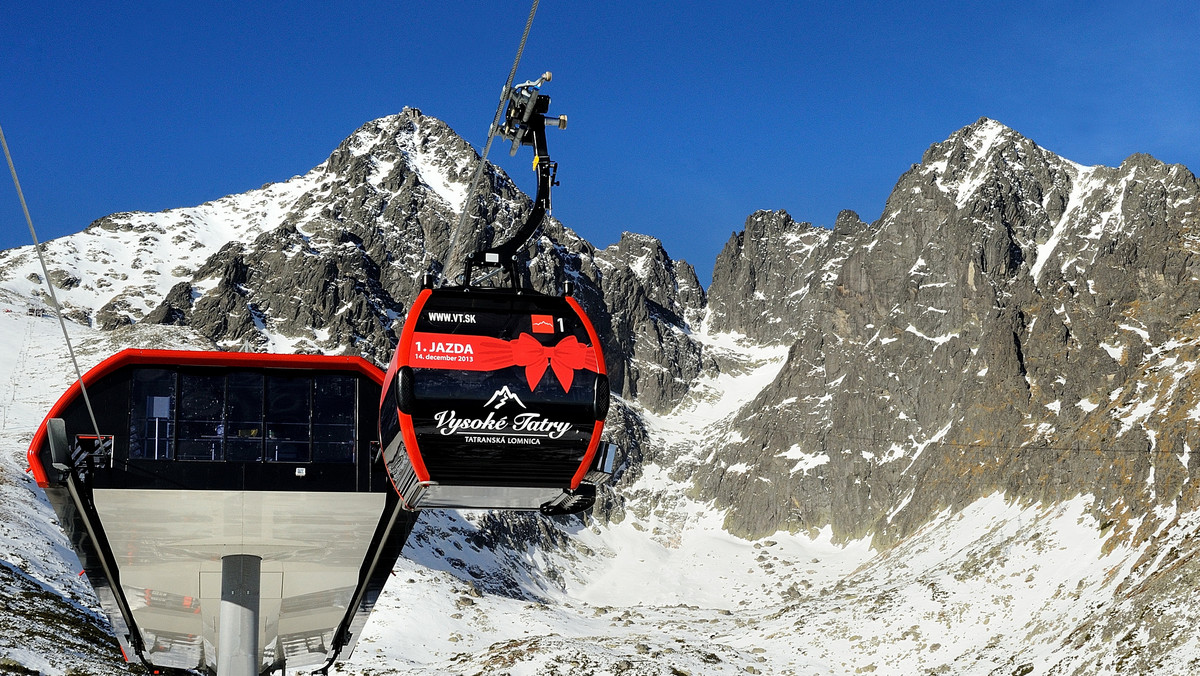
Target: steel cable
471	188
37	246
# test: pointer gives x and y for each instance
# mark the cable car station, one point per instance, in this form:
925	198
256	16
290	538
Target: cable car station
226	491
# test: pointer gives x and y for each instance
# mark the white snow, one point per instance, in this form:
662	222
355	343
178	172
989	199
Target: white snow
1145	335
1114	351
1083	181
667	577
455	193
805	461
938	341
980	143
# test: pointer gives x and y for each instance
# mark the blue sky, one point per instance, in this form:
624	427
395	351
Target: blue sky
685	117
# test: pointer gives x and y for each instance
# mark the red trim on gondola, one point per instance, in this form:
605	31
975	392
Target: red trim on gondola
403	352
488	354
595	443
589	456
591	331
307	362
410	327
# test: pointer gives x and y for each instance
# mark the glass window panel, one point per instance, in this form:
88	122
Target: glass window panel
334	399
288	399
243	450
287	432
334	418
333	451
201	397
389	419
244	417
333	432
201	430
287	451
152	414
198	449
288	414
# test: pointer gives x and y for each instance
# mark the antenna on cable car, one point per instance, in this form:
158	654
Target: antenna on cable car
525	125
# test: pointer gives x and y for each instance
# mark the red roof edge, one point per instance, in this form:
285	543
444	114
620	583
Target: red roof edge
317	362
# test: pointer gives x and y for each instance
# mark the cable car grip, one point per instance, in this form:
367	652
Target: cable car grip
525	125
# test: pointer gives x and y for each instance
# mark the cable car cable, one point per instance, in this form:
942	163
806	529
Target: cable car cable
71	485
37	246
495	127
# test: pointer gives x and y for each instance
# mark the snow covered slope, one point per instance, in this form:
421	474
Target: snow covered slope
662	588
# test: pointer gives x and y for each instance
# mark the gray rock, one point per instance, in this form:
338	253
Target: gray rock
994	330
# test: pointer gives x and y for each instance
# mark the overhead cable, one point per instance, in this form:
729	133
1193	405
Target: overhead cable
37	246
471	188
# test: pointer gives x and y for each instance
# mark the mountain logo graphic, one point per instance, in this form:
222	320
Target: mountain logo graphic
501	397
542	323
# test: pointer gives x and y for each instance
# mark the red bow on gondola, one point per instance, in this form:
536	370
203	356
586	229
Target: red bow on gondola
484	353
568	356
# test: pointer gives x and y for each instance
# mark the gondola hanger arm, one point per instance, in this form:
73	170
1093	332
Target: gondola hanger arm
525	122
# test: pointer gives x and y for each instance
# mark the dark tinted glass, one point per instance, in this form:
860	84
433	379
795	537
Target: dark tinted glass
288	409
389	419
152	419
333	418
244	417
335	400
201	432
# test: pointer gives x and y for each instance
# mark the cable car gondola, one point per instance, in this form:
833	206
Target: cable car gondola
496	396
230	509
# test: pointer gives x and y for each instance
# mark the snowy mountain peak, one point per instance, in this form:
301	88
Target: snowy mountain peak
388	148
979	155
984	135
397	182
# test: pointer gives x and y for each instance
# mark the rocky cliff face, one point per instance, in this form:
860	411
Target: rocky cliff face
653	303
334	267
328	261
763	275
1012	322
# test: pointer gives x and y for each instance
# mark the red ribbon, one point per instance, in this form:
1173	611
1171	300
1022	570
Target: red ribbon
484	353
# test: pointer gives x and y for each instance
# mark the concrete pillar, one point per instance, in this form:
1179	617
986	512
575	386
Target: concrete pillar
237	652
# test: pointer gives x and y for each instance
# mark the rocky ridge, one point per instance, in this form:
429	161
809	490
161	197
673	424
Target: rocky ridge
1012	321
326	261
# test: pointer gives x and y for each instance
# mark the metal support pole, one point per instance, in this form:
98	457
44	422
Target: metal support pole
237	653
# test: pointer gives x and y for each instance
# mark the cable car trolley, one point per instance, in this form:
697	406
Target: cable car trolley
496	396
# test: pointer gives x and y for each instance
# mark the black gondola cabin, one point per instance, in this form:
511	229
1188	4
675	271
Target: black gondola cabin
495	399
